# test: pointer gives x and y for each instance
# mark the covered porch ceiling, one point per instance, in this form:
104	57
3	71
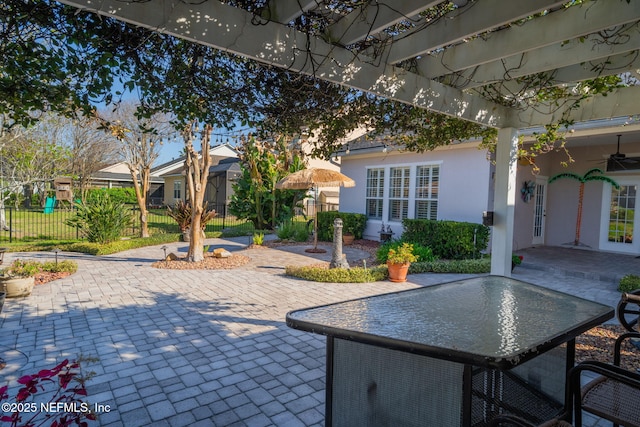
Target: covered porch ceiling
479	60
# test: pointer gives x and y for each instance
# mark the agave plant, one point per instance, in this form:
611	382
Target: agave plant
181	212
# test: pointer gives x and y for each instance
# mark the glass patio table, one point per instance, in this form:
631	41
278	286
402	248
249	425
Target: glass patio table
454	354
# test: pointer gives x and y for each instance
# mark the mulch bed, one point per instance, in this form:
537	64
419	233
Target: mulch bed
46	277
209	263
597	344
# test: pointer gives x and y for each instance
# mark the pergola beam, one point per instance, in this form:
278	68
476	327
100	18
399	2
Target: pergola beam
449	31
232	29
576	21
619	103
374	18
550	58
609	66
285	11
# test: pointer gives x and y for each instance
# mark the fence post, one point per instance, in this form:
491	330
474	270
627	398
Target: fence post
10	225
224	214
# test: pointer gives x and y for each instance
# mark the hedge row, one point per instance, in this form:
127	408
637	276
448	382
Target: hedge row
447	239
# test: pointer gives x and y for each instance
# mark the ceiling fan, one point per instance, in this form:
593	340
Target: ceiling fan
620	161
618	156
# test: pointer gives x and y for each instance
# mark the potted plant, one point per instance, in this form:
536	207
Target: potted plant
516	260
348	237
398	261
19	278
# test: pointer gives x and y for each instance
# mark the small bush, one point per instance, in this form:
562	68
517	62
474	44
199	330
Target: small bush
66	265
464	266
101	219
629	283
422	252
258	239
22	268
293	230
338	275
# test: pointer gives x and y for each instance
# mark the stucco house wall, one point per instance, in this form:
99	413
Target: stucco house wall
562	198
463	183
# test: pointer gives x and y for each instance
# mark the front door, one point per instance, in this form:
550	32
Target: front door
618	217
539	210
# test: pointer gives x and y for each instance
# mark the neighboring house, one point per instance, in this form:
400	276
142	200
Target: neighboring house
221	173
118	176
456	183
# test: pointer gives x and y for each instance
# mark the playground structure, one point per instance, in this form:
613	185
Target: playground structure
64	194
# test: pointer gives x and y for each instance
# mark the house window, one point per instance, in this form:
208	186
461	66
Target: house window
427	184
177	193
398	193
375	193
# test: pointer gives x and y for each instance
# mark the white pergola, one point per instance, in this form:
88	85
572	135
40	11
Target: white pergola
457	63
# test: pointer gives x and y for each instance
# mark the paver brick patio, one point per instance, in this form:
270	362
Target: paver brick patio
196	347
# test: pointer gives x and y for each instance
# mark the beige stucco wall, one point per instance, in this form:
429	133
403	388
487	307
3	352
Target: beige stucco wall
563	194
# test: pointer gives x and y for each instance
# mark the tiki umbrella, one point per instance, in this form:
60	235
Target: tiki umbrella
314	178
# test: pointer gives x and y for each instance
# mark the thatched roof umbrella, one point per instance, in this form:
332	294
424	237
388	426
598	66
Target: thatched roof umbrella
313	178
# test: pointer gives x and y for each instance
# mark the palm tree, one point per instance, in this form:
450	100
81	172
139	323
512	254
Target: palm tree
591	175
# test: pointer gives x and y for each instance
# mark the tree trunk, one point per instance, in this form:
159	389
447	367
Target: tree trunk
579	218
140	186
197	175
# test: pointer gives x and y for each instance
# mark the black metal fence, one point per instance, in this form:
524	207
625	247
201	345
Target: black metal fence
34	224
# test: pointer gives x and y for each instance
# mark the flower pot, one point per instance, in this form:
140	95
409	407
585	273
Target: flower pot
348	238
398	272
2	295
15	287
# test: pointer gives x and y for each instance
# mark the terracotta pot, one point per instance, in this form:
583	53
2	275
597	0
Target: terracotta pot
348	238
18	286
398	272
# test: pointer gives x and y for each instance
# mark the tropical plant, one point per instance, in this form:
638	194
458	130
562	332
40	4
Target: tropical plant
42	395
594	174
258	238
255	197
21	268
402	254
181	213
101	219
422	253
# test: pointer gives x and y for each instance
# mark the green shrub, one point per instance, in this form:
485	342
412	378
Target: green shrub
22	268
422	252
351	222
258	239
447	239
121	245
125	195
101	219
338	275
62	266
293	230
463	266
629	283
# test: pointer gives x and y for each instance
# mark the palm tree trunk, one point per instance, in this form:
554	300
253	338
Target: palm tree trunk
579	219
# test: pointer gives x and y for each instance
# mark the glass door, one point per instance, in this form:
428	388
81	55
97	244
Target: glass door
539	210
619	218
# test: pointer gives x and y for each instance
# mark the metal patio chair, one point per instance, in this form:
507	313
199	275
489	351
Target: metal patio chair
614	394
